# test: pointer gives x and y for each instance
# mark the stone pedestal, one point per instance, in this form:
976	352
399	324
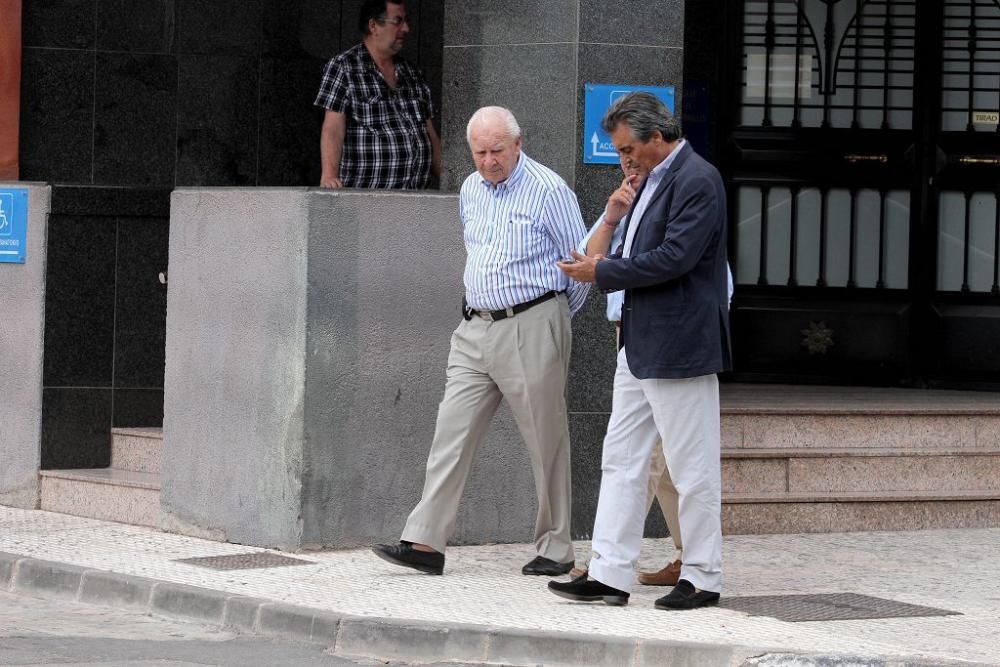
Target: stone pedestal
307	339
22	318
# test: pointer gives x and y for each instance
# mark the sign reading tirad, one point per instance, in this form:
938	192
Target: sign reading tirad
13	225
598	97
986	118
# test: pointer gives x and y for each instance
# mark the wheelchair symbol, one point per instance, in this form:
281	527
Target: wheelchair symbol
6	213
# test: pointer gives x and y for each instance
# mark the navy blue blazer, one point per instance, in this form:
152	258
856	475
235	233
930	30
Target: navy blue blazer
675	321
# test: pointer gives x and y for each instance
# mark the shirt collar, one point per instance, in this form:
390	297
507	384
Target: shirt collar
660	170
511	181
369	63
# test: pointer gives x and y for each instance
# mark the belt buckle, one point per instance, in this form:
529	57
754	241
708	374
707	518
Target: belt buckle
486	315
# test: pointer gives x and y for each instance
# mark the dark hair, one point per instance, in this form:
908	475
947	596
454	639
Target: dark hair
373	9
645	114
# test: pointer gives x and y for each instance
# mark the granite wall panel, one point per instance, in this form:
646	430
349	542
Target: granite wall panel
58	24
138	408
487	75
219	27
592	366
301	28
105	319
479	22
629	23
135	119
217	98
136	26
57	115
289	123
140	302
76	428
79	302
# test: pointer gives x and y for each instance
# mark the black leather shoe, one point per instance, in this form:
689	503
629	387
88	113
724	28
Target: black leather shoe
404	554
684	596
583	589
547	567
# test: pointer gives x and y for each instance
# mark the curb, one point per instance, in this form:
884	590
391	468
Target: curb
395	639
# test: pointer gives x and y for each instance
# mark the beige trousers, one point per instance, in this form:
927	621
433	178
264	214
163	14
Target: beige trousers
525	360
662	488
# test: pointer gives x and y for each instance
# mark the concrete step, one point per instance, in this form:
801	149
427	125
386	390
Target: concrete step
105	493
763	513
860	470
136	449
777	416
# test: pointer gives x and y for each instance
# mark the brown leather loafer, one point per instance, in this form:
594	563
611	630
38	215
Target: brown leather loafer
668	576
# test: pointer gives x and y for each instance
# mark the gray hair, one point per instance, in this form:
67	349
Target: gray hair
645	114
486	114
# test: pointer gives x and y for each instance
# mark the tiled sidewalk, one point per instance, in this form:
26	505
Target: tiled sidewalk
956	570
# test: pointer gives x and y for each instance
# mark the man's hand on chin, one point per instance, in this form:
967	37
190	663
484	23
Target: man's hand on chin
580	268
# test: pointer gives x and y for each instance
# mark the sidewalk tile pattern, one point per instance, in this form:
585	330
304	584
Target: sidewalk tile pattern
958	570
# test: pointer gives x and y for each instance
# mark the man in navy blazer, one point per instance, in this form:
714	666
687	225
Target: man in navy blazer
675	339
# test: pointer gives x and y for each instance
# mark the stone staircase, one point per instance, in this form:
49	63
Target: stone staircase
794	460
827	459
127	492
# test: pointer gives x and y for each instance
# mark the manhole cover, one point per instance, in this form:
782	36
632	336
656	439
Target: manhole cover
827	607
244	561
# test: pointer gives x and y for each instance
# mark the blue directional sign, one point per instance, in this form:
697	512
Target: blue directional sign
597	146
13	225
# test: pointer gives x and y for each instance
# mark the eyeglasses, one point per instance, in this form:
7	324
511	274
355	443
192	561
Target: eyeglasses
395	21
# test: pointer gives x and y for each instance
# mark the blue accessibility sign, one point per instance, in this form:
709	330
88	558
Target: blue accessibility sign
13	225
598	97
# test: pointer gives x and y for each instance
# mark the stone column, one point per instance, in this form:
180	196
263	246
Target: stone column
535	58
22	323
307	340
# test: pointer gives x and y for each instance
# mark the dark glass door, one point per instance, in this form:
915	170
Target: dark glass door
862	151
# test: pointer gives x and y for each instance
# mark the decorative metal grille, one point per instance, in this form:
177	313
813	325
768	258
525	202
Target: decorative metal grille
823	237
971	86
969	242
250	561
829	63
828	607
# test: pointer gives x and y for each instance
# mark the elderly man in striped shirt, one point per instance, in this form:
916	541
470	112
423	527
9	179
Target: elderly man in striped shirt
519	219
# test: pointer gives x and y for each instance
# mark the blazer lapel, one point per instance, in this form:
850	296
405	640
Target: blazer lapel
671	174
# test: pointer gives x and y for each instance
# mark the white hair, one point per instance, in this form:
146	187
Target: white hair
487	114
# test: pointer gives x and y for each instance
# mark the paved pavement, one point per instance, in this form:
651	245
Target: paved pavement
47	632
483	609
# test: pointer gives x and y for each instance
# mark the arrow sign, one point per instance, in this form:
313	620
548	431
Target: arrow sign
597	146
595	143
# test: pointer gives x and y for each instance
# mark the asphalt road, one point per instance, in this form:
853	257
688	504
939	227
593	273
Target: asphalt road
47	632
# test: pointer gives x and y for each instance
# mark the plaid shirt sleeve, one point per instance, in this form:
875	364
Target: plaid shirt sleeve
334	88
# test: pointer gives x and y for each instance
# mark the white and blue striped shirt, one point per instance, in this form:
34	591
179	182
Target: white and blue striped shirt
515	232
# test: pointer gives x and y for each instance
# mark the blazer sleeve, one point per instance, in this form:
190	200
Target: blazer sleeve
693	222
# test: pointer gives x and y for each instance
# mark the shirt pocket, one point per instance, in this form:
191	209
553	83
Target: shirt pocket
522	233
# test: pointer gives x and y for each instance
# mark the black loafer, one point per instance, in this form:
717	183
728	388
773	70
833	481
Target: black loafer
583	589
546	566
404	554
684	596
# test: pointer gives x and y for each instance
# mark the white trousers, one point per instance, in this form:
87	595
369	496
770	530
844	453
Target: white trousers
684	413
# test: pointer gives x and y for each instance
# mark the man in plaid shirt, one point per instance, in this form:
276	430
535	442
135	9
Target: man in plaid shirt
377	132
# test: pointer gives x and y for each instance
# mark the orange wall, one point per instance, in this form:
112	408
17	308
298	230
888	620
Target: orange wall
10	85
